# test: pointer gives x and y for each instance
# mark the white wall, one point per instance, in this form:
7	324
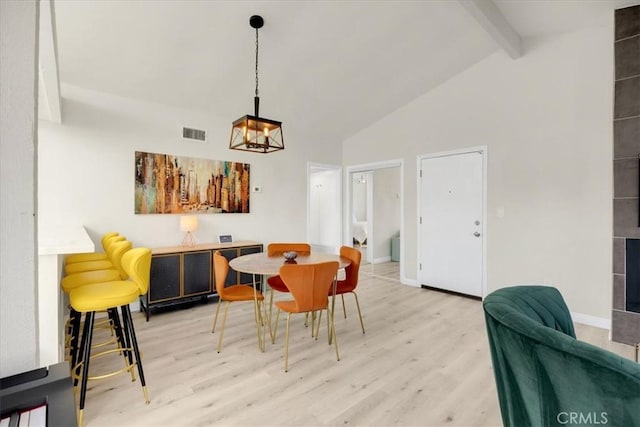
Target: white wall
386	211
325	213
86	172
546	118
18	95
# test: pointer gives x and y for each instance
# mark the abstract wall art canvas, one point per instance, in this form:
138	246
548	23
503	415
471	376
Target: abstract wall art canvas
168	184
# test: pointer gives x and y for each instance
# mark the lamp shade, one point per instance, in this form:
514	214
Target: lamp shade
188	223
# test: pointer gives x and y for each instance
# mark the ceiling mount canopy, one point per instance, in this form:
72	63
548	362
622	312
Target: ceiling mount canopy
252	132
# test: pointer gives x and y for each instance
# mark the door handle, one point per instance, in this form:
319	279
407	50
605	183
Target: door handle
476	234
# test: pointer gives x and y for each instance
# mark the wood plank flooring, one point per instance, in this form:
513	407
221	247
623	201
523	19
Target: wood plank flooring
388	270
424	361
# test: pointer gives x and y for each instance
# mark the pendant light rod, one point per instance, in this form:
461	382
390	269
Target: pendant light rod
256	22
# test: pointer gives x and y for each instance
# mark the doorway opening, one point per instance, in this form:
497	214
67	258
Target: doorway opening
374	217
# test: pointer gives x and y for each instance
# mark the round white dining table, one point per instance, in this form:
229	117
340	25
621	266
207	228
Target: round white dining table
261	263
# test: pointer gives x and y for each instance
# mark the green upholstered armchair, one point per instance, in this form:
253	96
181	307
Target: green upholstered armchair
544	376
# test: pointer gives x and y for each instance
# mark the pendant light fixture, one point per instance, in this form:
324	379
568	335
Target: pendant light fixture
255	133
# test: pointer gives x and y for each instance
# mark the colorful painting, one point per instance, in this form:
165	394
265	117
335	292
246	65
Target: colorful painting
167	184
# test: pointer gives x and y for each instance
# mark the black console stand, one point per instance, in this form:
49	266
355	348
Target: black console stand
50	386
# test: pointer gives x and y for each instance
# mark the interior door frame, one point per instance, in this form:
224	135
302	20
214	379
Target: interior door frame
483	149
311	167
348	203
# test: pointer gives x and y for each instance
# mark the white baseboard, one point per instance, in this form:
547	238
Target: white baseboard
586	319
410	282
381	260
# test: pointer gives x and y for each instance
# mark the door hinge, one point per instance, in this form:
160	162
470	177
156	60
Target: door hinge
420	173
420	220
420	266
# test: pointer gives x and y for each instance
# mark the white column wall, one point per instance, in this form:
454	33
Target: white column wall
18	98
546	118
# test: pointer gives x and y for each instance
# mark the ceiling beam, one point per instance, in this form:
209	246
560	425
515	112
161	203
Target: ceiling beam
48	63
493	21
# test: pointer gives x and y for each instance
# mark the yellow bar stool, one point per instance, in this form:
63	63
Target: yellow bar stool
101	264
95	256
115	252
109	296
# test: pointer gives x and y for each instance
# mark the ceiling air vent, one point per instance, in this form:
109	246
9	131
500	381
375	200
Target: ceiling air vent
194	134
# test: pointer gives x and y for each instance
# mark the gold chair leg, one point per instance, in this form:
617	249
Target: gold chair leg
267	318
332	332
318	327
224	322
359	312
275	329
286	345
344	309
264	319
333	305
270	302
215	319
257	316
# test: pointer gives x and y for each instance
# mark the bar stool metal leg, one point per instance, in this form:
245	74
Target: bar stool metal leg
128	325
86	346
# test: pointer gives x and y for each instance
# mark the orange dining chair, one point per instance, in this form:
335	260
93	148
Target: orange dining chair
350	282
231	294
309	285
275	282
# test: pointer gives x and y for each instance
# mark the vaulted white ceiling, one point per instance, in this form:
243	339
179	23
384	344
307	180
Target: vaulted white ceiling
330	67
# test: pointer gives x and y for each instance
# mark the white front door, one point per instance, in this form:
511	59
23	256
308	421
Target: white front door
451	222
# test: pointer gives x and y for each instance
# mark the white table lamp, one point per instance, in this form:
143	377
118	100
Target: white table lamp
189	224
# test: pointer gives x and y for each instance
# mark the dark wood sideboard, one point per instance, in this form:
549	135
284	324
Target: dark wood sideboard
183	273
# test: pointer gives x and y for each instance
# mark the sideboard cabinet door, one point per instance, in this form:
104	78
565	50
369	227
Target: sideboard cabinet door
197	273
165	277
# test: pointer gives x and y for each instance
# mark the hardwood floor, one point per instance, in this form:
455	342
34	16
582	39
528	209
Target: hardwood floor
388	270
424	361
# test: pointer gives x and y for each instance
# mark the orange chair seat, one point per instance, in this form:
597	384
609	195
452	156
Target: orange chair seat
289	306
276	283
343	287
102	296
240	293
80	267
74	280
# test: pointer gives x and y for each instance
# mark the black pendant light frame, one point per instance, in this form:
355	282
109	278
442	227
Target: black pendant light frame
252	132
